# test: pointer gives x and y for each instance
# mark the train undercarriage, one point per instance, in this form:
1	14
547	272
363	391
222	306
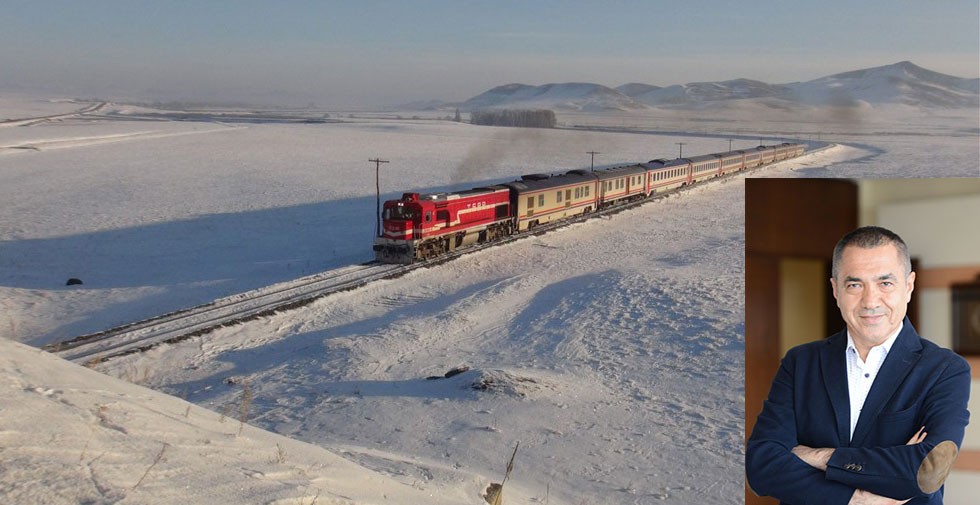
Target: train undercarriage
409	251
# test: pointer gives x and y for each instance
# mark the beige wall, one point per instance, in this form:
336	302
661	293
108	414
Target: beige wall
939	219
873	193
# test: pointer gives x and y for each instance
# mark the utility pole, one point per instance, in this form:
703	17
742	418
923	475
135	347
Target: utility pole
593	153
729	145
377	186
681	153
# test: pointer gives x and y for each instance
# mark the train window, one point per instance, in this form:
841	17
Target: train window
502	211
428	216
400	213
442	215
568	194
558	196
586	191
530	202
540	200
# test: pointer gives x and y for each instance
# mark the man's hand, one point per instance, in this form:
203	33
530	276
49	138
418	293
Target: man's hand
862	497
918	437
817	457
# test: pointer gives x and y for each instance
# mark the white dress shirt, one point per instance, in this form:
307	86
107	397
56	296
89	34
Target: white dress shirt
861	374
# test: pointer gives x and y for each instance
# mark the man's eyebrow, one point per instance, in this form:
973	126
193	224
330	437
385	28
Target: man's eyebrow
882	277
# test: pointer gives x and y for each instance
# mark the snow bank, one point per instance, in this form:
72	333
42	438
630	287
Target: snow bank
72	435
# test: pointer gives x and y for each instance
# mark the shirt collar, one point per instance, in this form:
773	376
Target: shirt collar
886	345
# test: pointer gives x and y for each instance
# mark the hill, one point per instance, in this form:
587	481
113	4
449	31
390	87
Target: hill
900	83
573	96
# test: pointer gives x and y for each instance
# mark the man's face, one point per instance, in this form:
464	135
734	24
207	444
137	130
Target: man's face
872	292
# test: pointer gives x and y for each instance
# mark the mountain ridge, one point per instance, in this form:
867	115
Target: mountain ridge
899	83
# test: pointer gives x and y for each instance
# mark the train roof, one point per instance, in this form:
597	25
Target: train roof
442	197
678	162
703	157
612	173
654	164
731	153
535	183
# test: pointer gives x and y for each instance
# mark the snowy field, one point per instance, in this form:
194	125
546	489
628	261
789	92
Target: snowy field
612	349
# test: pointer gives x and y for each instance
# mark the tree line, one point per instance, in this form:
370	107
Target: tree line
512	117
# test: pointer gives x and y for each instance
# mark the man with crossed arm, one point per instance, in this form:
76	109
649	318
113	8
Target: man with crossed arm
872	415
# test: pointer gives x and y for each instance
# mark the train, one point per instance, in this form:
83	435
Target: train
419	227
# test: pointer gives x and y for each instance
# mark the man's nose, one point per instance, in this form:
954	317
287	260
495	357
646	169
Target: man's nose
870	297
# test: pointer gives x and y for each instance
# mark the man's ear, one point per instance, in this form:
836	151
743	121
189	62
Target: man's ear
833	287
910	286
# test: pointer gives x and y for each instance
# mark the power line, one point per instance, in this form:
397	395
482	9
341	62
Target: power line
681	153
593	153
377	186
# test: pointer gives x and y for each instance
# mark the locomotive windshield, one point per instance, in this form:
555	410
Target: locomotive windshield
401	213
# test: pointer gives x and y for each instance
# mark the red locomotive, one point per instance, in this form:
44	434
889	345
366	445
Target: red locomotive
422	226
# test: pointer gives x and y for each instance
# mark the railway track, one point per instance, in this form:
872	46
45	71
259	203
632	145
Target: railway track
200	320
95	107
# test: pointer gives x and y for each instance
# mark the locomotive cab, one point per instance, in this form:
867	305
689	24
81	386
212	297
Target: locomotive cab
401	218
402	224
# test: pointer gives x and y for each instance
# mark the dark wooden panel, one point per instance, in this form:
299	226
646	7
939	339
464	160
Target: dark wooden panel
761	341
798	217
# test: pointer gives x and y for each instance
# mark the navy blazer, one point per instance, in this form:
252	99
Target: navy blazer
919	384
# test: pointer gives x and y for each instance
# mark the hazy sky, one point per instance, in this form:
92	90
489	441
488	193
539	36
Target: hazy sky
370	53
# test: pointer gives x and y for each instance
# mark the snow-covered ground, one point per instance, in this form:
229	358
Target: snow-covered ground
72	435
612	349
